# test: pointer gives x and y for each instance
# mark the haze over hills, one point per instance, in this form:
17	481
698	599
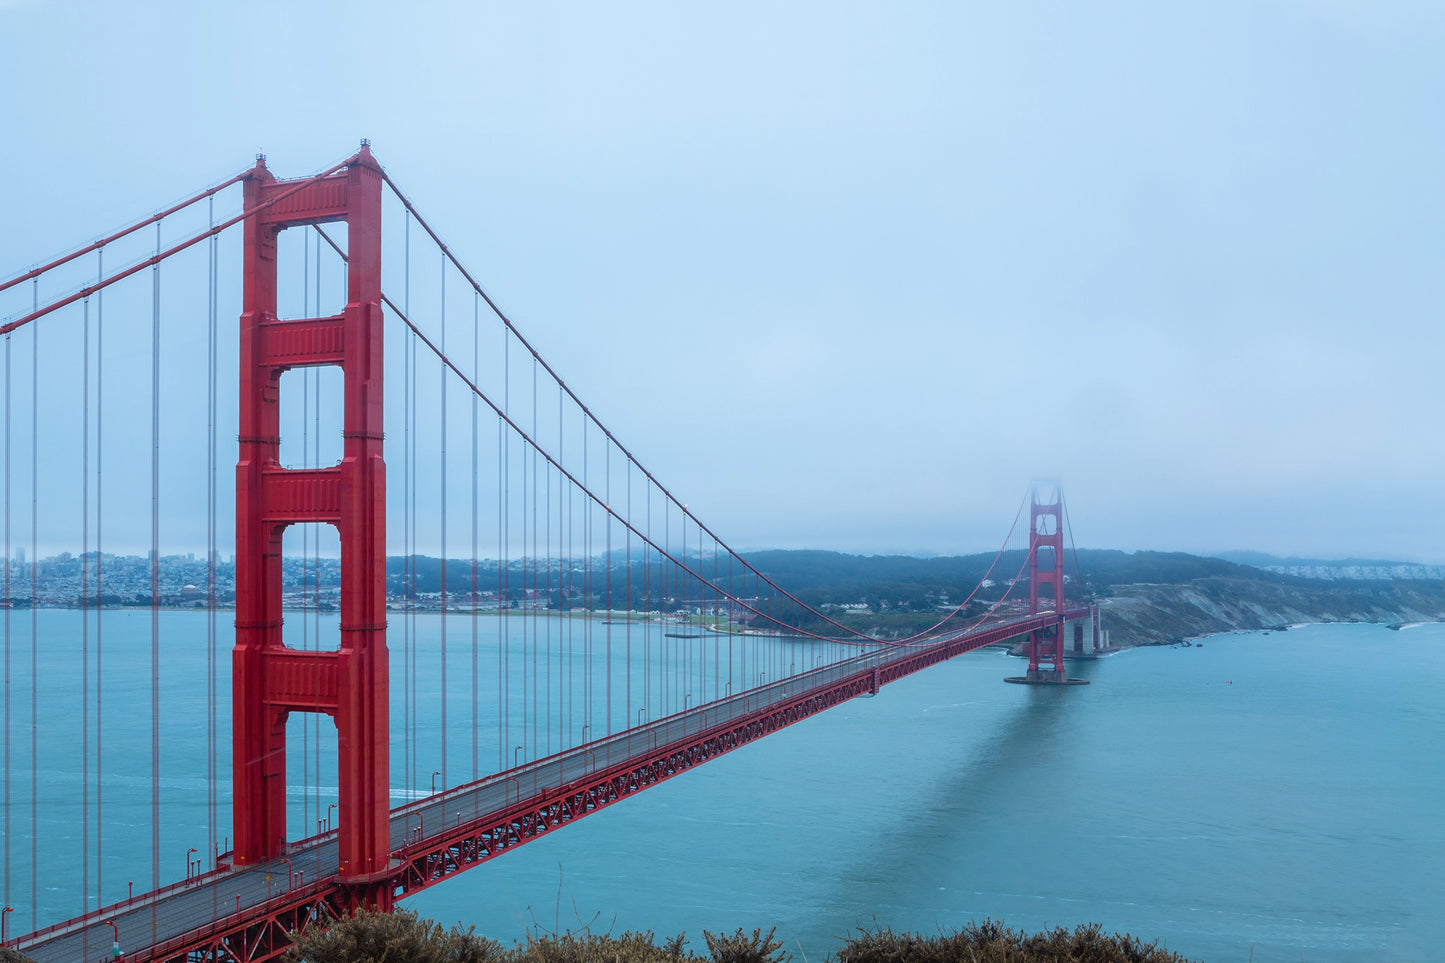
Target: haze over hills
1146	597
1347	568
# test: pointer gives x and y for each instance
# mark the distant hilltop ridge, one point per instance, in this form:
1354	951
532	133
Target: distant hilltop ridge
1342	568
1147	598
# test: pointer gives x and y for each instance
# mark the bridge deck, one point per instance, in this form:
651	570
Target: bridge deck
245	912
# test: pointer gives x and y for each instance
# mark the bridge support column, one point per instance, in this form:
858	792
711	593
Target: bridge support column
270	680
1046	567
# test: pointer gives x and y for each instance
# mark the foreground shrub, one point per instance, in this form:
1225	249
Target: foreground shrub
399	937
586	947
402	937
13	956
741	948
992	942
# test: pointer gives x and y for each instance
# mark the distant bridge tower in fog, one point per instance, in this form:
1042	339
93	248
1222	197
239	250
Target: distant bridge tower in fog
1046	568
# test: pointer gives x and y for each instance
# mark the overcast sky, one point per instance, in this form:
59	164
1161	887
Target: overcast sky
853	276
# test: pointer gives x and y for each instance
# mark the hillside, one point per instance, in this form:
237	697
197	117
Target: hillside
1155	614
1147	598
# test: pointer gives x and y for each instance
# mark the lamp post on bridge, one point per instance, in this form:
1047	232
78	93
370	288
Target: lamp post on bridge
434	774
188	860
3	911
114	939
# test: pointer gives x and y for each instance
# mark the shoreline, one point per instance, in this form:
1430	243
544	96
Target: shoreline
1279	629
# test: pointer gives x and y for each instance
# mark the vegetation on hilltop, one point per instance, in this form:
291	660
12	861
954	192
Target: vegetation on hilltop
403	937
1151	597
836	576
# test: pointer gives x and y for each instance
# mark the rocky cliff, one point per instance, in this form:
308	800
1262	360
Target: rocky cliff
1150	614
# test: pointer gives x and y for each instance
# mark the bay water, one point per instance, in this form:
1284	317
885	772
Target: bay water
1275	795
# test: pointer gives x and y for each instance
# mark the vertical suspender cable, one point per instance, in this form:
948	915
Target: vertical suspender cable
586	591
627	604
34	605
607	571
212	817
709	592
85	612
411	588
406	515
666	646
155	578
316	563
684	582
564	517
533	600
5	894
647	553
547	561
501	604
476	377
505	680
526	638
99	587
306	527
730	623
442	382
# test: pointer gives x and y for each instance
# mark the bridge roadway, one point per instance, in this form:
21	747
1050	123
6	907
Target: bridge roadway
242	913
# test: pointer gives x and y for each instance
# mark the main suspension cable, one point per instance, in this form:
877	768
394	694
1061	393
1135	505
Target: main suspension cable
100	244
161	255
594	499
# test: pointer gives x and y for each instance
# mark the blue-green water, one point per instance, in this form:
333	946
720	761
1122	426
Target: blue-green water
1278	794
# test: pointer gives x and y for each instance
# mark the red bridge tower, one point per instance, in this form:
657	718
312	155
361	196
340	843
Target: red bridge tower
271	680
1046	567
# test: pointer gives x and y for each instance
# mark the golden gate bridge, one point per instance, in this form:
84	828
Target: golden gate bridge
631	642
